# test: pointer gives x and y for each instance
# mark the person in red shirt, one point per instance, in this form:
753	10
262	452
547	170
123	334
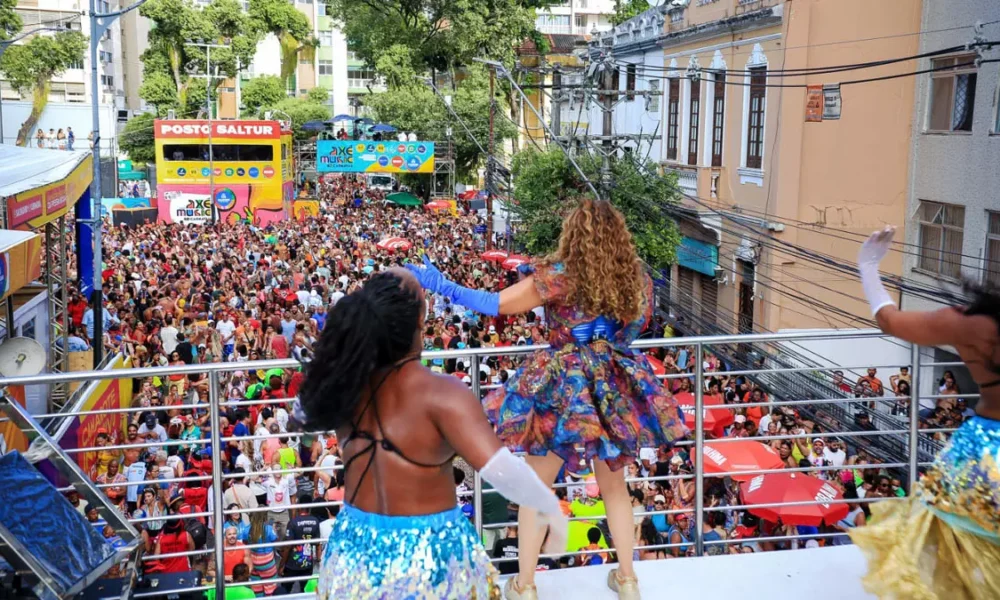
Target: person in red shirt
174	538
76	307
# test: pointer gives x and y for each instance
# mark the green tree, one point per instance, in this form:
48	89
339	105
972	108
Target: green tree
158	90
262	91
545	183
30	67
10	21
318	95
289	25
137	138
302	110
626	9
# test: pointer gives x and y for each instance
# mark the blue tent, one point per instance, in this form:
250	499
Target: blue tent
342	118
314	126
382	128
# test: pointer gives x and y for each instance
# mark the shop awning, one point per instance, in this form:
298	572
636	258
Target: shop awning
20	260
39	185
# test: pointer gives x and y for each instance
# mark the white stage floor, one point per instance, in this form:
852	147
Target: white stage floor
816	574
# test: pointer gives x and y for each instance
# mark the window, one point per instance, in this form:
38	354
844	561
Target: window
718	118
76	64
953	94
553	24
322	9
326	67
28	329
755	125
325	37
108	80
580	21
220	152
630	82
993	250
653	105
302	92
673	117
694	121
941	238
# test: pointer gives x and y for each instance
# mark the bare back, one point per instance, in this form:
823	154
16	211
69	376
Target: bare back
420	421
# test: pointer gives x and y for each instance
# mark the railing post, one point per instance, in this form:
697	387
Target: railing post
699	449
217	512
477	484
914	413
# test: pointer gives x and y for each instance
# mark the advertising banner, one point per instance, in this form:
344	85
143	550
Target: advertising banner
110	204
256	205
34	208
304	208
814	103
334	156
191	129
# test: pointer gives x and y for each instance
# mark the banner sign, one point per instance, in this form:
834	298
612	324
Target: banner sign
4	273
831	101
698	256
187	208
334	156
111	204
814	103
190	129
34	208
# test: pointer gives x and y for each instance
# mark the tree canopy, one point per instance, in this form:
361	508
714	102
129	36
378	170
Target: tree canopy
545	183
626	9
10	21
137	138
262	91
30	66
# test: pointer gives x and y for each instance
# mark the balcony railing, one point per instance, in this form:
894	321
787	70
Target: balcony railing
905	430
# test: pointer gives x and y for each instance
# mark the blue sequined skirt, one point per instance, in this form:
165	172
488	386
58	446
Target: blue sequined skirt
380	557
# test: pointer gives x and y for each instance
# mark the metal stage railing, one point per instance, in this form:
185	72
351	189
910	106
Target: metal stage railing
904	429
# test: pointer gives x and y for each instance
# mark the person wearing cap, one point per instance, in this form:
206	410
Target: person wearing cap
680	533
299	560
739	427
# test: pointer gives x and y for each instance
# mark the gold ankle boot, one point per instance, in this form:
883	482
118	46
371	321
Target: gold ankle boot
512	591
627	588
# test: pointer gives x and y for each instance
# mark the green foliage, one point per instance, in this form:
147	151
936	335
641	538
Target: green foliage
440	34
10	21
29	68
158	90
416	108
626	9
137	138
302	110
262	91
318	95
545	184
288	24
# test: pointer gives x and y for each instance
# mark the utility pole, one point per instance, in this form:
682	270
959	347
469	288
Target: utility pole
556	100
607	107
208	107
491	162
99	24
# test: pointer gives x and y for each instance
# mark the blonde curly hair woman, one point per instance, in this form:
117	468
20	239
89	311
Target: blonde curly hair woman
588	397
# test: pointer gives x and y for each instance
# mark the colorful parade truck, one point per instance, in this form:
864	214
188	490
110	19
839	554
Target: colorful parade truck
223	171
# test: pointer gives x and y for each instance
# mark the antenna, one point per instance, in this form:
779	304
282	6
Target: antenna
21	357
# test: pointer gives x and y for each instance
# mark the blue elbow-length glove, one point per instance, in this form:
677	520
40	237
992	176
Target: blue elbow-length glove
486	303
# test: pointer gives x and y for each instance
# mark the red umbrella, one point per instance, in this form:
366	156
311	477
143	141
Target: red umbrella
514	261
438	205
657	365
714	417
497	256
394	243
794	487
468	195
744	455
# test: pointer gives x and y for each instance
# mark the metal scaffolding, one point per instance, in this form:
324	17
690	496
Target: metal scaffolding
56	278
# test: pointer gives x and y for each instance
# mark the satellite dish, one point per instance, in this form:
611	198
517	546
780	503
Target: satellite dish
21	357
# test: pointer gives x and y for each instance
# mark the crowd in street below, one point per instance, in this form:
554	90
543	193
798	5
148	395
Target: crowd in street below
202	294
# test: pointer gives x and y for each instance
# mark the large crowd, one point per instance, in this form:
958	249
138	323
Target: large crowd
197	294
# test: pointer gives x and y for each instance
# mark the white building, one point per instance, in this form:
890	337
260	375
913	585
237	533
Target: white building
576	17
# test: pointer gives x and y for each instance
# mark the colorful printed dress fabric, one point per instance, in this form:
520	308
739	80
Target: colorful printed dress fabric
944	541
425	557
584	400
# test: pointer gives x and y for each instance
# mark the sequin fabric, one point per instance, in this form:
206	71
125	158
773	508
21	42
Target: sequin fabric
944	541
380	557
584	400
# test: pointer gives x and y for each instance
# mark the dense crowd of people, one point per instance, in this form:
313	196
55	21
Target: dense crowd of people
182	295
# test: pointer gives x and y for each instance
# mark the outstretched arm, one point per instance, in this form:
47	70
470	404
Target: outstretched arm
944	326
518	298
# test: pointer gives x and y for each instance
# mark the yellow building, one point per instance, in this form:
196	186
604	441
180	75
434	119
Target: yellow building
565	52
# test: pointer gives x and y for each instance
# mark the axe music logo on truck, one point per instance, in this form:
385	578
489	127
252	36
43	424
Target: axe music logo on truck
201	207
339	156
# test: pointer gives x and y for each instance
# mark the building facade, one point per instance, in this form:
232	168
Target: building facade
764	191
576	17
953	206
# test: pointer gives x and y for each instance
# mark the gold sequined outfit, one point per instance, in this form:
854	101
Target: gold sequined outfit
943	543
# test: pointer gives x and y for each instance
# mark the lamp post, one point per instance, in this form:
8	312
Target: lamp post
99	24
208	107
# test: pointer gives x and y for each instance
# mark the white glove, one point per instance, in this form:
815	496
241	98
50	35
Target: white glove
517	482
871	254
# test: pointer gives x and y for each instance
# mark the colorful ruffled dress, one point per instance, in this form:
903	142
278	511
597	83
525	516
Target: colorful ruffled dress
944	541
588	395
